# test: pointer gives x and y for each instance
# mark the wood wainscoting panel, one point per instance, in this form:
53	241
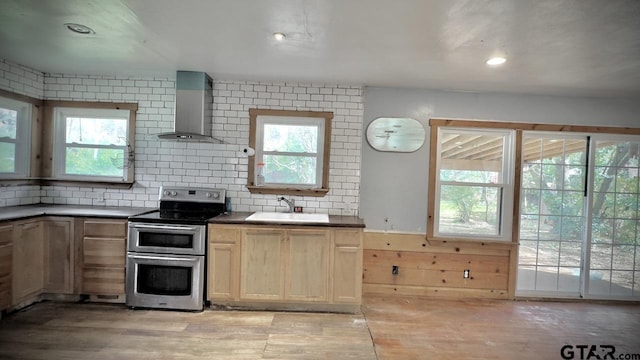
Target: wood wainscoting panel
434	269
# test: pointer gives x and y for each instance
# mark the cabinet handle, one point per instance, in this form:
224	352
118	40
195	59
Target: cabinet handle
163	227
146	257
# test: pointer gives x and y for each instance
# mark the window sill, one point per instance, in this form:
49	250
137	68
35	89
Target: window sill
480	242
287	191
87	183
62	182
8	181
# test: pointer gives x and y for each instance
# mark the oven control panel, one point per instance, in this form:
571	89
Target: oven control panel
192	194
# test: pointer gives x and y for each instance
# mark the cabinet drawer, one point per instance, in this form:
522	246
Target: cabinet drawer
105	228
99	252
223	235
348	238
102	281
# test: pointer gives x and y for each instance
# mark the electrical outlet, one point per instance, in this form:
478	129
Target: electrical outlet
394	270
466	273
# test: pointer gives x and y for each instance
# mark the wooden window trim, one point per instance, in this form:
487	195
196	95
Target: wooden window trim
47	141
33	173
253	116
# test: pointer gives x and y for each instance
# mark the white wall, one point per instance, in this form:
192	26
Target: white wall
214	165
394	185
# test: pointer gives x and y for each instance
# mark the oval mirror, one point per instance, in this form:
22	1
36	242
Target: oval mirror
395	134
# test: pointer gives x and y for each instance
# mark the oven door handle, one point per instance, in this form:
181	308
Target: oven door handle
146	257
163	227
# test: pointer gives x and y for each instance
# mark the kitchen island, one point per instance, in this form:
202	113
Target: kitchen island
285	265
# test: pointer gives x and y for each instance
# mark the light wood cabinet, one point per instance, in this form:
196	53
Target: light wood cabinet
347	266
6	255
262	265
103	251
224	263
58	261
307	270
291	265
27	265
285	265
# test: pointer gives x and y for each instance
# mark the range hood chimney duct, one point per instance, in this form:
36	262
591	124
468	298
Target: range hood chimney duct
193	108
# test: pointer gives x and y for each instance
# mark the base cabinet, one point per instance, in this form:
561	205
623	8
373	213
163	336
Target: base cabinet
307	265
103	258
224	264
58	255
55	255
293	265
27	265
262	265
347	266
6	264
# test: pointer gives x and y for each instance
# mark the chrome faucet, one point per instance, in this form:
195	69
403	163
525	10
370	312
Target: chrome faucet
290	202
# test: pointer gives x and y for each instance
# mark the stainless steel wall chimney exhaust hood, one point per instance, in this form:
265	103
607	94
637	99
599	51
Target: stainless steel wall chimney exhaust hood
193	108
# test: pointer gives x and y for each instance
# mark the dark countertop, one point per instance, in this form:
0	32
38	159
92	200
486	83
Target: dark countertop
27	211
334	221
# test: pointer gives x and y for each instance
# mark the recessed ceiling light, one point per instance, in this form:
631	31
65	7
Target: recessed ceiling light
79	28
279	36
496	61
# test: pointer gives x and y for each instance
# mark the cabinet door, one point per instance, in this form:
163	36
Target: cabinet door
58	255
6	254
307	275
224	263
262	265
103	270
347	266
104	256
27	261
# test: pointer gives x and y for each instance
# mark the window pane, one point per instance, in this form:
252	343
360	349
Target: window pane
470	157
280	169
469	210
94	162
8	122
574	177
96	131
7	157
290	138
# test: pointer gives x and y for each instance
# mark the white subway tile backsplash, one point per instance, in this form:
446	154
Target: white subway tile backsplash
200	164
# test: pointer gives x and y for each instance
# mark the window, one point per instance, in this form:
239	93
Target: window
474	185
15	138
291	151
92	144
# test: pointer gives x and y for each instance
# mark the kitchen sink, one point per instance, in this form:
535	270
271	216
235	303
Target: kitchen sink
279	217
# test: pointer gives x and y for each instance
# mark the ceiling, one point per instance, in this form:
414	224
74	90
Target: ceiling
554	47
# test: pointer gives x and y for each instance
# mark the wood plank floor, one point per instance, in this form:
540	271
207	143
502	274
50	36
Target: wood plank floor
412	328
96	332
401	328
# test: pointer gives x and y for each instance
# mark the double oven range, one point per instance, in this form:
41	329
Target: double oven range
166	250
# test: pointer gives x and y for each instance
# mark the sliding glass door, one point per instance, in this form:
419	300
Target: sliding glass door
579	217
552	214
613	255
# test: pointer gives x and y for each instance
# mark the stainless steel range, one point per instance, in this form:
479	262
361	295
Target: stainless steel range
166	249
